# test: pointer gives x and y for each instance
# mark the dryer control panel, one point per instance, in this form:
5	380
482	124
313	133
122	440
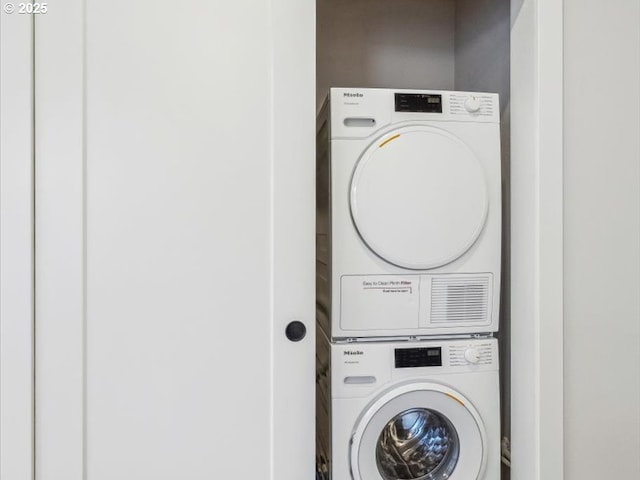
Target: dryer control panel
418	102
360	112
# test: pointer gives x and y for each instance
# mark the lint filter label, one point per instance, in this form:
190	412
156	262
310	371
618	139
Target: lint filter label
389	286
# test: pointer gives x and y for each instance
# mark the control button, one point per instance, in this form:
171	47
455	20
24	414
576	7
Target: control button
472	104
296	331
472	355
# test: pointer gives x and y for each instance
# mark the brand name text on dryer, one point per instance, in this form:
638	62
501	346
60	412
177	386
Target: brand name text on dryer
353	352
349	94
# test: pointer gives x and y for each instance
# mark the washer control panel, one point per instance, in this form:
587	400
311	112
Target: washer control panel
363	367
455	354
472	354
418	357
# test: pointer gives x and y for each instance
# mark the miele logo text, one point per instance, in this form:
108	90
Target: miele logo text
349	94
353	352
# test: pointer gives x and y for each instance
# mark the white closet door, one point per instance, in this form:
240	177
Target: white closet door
16	247
174	239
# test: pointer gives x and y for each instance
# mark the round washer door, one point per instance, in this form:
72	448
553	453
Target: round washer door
419	197
419	431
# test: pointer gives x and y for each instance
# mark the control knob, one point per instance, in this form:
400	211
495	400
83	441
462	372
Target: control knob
472	104
472	355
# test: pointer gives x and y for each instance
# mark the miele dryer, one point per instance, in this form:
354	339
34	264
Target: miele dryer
425	410
408	213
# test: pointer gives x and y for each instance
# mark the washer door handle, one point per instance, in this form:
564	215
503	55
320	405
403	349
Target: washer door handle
296	331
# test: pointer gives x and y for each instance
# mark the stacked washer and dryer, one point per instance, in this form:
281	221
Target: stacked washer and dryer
408	256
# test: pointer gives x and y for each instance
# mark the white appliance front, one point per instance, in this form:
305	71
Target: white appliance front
409	410
408	213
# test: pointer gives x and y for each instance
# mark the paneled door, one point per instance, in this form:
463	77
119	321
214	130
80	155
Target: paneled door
174	240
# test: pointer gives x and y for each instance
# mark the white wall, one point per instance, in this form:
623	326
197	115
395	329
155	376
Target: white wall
382	43
602	239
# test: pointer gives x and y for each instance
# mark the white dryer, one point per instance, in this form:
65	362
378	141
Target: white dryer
426	410
408	213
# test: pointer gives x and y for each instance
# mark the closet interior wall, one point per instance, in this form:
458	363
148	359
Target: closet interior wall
382	43
436	44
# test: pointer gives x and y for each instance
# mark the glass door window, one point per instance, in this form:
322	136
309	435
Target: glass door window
417	444
420	431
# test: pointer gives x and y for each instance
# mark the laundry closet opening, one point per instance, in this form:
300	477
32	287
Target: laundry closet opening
453	45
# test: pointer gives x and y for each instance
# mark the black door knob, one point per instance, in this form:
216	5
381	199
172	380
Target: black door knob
296	331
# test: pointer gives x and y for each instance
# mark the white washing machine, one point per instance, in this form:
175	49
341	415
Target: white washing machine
408	213
426	410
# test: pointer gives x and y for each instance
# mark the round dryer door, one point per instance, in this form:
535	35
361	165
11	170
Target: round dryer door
419	197
419	432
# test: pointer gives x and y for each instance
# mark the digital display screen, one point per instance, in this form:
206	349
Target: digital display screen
418	357
418	102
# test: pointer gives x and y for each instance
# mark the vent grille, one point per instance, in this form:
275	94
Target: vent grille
460	300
